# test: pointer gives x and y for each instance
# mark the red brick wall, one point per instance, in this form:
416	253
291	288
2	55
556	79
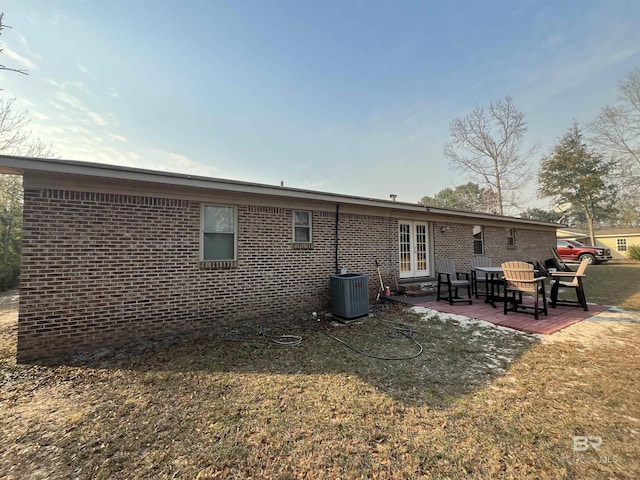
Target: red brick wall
103	269
456	242
531	245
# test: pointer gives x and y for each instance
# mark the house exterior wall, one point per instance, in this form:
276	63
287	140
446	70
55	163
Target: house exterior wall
531	245
611	242
456	242
103	269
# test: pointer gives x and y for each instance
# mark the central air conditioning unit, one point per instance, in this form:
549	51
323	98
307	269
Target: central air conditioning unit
350	295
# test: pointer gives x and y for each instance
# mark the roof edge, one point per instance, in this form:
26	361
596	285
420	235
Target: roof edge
13	164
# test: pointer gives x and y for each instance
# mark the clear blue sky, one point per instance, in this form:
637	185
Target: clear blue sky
344	96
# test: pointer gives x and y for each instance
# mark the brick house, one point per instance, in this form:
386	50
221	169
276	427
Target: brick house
114	254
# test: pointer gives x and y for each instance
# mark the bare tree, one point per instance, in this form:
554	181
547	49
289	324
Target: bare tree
616	132
12	125
3	67
487	146
15	139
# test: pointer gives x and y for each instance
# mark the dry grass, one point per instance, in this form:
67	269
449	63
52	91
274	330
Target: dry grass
479	403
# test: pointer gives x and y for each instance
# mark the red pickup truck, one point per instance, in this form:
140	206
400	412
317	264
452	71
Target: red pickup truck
573	251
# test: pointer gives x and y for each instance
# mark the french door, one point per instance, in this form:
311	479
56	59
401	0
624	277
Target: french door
413	238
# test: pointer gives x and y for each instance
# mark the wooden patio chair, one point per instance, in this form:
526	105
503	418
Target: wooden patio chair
449	276
519	278
478	276
570	280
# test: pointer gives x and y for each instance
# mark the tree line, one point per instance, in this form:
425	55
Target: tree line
594	170
15	139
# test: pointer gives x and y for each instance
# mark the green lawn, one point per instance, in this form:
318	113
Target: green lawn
614	284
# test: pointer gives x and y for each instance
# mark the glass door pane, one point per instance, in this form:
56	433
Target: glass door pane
405	247
421	247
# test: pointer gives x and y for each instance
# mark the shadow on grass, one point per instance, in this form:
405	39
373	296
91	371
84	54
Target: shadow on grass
457	357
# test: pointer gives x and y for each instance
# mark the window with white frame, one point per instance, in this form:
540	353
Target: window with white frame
301	226
218	232
511	237
622	244
478	240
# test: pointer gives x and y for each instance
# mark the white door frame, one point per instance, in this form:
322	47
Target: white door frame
413	248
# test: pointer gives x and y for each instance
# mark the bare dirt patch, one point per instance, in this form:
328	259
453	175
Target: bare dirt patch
611	326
